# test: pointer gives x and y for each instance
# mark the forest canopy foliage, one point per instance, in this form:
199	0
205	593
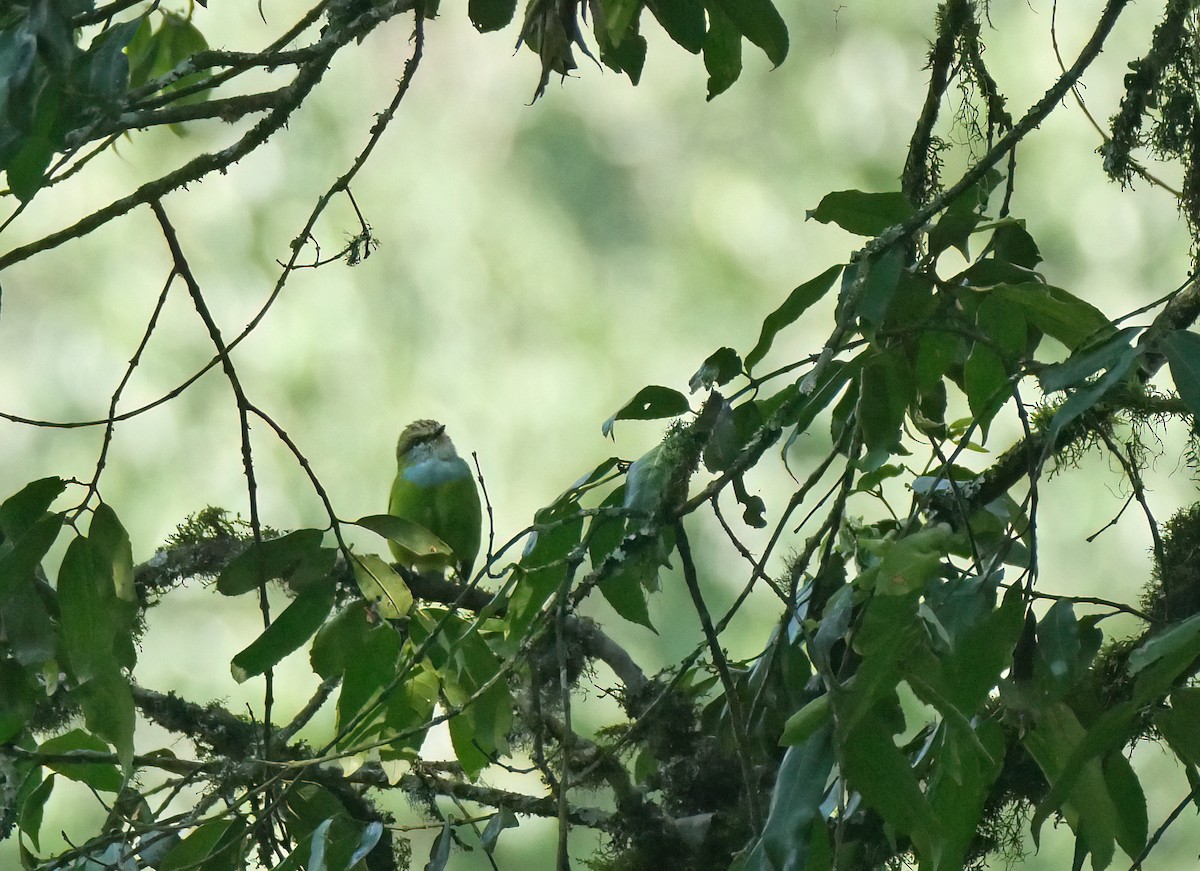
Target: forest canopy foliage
926	695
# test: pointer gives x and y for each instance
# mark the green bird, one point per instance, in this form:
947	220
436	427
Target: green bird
434	488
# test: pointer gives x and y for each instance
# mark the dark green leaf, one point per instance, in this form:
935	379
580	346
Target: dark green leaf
863	214
501	820
22	510
880	286
795	806
19	693
213	846
88	606
31	636
271	559
439	853
98	775
683	20
650	403
1158	662
27	169
1012	243
836	376
955	226
1086	362
629	57
287	632
1129	801
1057	313
1183	355
624	588
106	66
760	22
876	768
886	392
107	703
720	367
1178	724
112	548
618	16
411	537
491	14
382	587
722	50
1088	396
31	803
787	314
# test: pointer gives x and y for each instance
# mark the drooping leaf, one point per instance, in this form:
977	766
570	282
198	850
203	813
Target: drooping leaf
1057	313
491	14
108	710
21	510
864	214
1183	356
720	367
787	314
268	560
880	286
760	22
101	776
683	20
885	393
650	403
501	820
382	586
1086	362
287	633
722	50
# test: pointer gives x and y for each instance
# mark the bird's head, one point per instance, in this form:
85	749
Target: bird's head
422	437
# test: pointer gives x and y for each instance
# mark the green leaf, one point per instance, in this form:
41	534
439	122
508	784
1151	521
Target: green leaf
19	693
624	588
31	635
382	587
837	374
268	560
214	846
100	776
491	14
787	314
1057	313
113	549
425	547
1158	662
1182	349
720	367
795	811
618	16
31	804
956	224
880	286
722	50
650	403
287	633
88	607
876	768
760	22
886	391
22	510
803	724
647	480
1086	362
1012	243
683	20
629	57
108	710
1178	723
863	214
501	820
1088	396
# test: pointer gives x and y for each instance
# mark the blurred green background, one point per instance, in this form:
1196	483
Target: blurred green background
539	264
